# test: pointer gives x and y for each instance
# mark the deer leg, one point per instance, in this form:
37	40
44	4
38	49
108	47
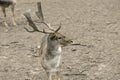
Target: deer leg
13	14
58	75
5	18
49	76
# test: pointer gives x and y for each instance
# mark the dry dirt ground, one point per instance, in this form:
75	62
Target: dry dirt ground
95	24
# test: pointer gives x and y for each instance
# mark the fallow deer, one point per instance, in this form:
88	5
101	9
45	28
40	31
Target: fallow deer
5	4
51	45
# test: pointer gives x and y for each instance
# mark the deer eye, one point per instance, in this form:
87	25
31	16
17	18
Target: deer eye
60	38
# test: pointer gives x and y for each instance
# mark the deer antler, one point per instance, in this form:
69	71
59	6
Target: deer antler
39	13
58	28
31	23
40	16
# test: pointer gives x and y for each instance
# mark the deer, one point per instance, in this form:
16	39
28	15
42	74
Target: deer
5	4
51	45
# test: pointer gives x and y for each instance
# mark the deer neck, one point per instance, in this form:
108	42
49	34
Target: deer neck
54	48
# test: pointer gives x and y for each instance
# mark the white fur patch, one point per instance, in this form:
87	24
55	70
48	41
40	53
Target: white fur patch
59	49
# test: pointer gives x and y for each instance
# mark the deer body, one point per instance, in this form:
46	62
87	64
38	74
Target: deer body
4	4
7	3
51	55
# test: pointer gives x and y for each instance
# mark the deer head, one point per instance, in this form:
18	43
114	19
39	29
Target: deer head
54	35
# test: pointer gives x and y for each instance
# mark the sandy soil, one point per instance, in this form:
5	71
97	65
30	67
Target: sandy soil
95	24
